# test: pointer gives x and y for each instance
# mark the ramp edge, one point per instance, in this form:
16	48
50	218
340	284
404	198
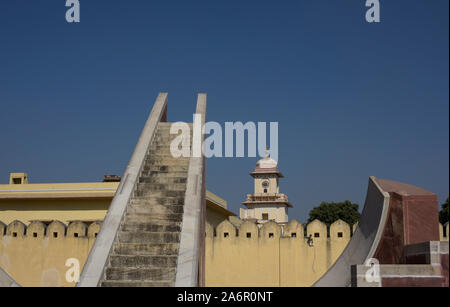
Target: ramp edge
365	240
6	280
190	262
94	267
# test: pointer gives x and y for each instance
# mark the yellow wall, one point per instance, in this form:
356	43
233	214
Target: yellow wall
268	258
88	201
31	254
65	210
34	259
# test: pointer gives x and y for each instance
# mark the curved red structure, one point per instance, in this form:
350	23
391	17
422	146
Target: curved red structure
398	228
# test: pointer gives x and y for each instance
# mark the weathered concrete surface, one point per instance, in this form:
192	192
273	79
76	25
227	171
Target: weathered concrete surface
145	251
364	241
6	280
98	257
190	268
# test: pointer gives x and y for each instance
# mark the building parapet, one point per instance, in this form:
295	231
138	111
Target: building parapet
54	230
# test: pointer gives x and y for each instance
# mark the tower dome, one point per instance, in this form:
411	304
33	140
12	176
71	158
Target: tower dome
266	162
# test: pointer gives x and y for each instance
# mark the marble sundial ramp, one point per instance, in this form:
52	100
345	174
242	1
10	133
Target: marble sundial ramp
396	217
365	240
151	235
6	280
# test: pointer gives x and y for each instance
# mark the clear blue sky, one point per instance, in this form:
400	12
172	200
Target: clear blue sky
352	99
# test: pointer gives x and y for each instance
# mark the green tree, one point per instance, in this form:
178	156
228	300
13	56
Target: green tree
328	213
443	214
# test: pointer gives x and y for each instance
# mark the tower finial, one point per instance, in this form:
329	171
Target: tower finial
267	152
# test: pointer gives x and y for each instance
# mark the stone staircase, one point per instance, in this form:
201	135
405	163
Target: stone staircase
145	250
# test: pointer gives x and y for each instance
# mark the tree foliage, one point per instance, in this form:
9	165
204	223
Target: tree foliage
328	213
443	214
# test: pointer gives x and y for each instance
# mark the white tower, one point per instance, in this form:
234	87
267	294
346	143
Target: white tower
266	203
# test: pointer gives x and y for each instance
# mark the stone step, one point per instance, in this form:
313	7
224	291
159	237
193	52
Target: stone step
143	249
146	194
153	217
169	124
162	179
160	141
143	261
148	237
176	132
164	126
166	129
155	208
159	174
155	147
135	283
152	200
155	226
165	155
164	145
164	136
120	273
166	140
164	168
166	162
161	187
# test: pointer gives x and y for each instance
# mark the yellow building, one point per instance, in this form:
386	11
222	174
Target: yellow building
45	226
68	202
